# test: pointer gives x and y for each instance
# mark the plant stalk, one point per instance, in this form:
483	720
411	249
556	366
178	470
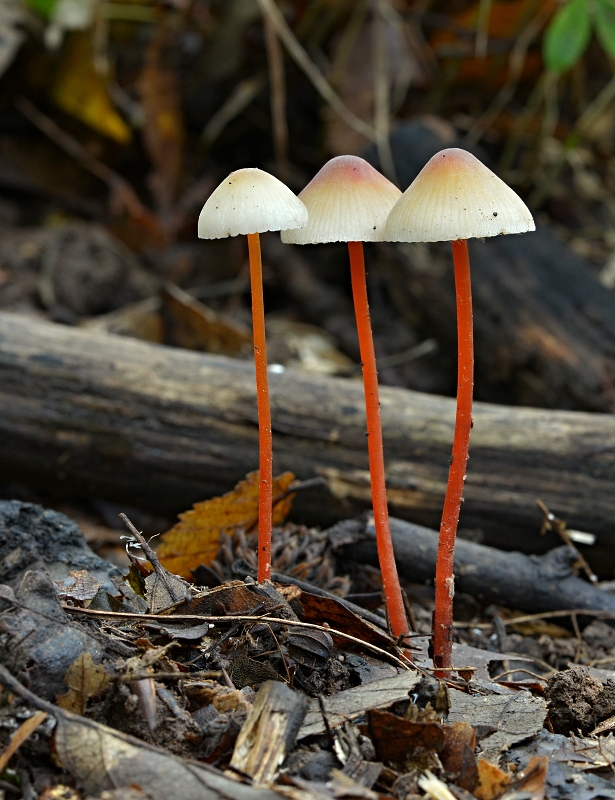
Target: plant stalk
386	557
265	494
445	581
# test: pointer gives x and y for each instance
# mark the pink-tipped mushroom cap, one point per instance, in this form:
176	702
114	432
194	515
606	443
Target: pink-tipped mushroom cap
347	201
454	197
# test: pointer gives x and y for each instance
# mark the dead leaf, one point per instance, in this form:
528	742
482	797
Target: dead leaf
100	759
195	539
533	777
192	325
316	608
79	90
396	738
157	594
19	737
457	755
491	781
84	679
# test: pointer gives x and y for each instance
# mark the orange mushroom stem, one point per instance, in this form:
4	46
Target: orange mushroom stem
455	198
444	580
386	557
251	202
265	441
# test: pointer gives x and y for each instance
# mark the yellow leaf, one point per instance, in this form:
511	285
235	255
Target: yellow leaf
492	781
84	679
195	539
80	91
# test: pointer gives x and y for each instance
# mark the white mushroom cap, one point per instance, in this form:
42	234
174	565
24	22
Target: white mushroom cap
250	201
347	201
453	197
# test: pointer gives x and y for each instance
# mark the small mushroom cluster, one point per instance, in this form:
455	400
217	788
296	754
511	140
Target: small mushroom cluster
454	198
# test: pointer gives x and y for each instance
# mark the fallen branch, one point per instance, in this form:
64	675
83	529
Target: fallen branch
97	415
529	583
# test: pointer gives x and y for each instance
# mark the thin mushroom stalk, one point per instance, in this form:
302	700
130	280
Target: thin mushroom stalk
455	198
375	448
349	201
444	580
251	202
265	438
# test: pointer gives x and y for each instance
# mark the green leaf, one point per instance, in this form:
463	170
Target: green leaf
44	7
567	36
605	25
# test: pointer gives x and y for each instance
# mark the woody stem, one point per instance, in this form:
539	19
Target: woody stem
444	581
265	495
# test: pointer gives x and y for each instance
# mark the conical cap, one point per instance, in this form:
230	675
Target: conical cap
250	201
347	201
455	196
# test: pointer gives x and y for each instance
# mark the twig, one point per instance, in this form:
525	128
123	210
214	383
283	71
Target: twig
277	94
552	523
152	558
279	649
239	99
25	730
382	104
123	196
400	661
519	669
321	85
482	29
516	62
169	676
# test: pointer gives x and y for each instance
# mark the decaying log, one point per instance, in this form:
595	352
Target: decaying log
544	326
269	732
96	415
529	583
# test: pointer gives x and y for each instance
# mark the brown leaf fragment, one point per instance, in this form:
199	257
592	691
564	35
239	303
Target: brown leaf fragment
316	608
532	778
25	730
100	760
233	597
195	539
84	679
396	739
491	781
193	325
457	755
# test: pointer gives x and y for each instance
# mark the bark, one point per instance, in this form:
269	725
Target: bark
544	326
529	583
85	414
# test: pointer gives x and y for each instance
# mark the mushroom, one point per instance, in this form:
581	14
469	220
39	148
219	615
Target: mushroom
349	201
455	197
251	202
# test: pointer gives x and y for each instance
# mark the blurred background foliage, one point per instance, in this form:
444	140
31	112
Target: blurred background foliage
126	114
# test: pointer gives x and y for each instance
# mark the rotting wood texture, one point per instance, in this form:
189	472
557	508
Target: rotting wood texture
269	732
90	414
